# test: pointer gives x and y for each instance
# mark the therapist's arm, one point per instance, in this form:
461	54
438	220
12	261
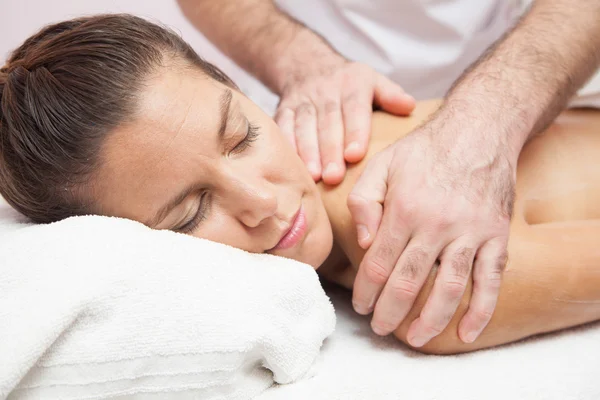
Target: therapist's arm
326	101
446	190
260	38
521	84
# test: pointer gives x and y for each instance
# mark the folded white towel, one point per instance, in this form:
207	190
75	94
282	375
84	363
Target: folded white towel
95	307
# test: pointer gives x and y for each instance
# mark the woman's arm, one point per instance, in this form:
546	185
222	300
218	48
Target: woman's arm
552	282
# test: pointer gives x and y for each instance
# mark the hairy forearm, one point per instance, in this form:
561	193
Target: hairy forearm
521	84
260	38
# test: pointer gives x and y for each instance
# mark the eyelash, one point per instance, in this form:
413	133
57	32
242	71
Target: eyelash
191	226
251	135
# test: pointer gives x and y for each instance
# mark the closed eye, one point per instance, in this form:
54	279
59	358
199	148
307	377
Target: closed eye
251	135
198	217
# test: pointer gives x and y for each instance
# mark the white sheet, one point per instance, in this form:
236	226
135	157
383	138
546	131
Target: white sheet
358	365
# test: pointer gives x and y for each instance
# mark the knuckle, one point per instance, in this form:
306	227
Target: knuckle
384	325
482	314
403	289
354	100
284	112
384	252
331	107
376	273
501	262
434	328
491	277
461	262
305	109
414	263
442	223
493	281
355	201
406	208
454	288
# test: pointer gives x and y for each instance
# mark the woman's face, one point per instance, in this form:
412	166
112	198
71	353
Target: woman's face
202	159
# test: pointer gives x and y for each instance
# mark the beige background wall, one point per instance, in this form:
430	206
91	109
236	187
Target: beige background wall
21	18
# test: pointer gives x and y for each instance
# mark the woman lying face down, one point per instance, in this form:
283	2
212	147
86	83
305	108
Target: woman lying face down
113	115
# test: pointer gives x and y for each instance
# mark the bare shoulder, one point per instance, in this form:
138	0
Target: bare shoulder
386	129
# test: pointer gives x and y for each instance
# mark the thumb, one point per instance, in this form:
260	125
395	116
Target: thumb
390	97
365	202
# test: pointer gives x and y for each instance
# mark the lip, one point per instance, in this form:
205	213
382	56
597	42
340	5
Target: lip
295	233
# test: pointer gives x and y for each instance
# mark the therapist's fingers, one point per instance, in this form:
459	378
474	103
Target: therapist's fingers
487	275
403	286
379	261
286	119
390	97
357	110
331	140
448	290
365	201
305	129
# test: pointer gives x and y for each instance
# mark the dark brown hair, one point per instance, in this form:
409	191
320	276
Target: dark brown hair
62	92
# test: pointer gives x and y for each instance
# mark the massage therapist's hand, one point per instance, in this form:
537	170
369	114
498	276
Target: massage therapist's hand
325	111
325	101
445	193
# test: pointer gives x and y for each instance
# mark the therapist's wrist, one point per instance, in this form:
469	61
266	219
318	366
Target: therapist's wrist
307	55
486	121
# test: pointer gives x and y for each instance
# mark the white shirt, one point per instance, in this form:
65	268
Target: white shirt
424	45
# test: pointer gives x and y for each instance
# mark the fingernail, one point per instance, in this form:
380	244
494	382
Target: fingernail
362	309
359	308
408	97
331	169
313	168
379	331
372	303
353	147
362	232
418	341
471	336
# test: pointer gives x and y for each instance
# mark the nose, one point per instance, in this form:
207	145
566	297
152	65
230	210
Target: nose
252	201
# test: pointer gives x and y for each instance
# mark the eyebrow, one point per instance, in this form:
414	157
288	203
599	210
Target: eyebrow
224	108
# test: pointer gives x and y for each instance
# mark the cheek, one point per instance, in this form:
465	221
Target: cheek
223	229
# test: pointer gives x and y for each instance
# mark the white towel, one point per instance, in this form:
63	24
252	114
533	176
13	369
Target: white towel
95	307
